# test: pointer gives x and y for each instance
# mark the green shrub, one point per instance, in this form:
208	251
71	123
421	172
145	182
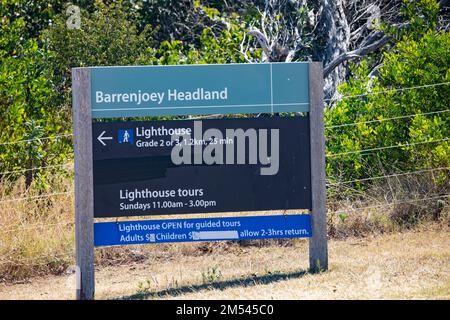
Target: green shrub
29	104
105	38
413	62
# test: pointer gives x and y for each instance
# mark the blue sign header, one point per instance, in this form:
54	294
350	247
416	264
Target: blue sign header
204	229
199	89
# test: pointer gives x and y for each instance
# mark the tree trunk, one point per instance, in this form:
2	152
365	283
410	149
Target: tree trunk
334	35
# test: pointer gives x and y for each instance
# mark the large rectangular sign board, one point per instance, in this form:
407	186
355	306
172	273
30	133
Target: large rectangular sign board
135	175
131	162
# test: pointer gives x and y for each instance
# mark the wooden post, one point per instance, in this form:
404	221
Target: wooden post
318	248
84	194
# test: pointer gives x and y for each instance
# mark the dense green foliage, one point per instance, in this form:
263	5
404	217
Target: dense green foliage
38	50
30	105
421	57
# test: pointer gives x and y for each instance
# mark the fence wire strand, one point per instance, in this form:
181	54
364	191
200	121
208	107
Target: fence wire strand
37	197
390	90
37	168
37	226
388	176
386	119
37	139
389	204
386	147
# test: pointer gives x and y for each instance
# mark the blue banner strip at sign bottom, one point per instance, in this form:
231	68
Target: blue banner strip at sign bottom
203	229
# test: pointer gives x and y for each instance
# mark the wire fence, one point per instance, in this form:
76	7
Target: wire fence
69	166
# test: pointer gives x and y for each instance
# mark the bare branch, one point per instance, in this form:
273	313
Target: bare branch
355	54
262	40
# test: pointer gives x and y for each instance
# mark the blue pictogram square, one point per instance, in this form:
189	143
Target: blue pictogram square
126	136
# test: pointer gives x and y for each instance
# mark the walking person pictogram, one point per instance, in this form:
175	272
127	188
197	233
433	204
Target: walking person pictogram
126	135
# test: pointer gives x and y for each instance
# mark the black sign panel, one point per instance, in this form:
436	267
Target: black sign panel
221	170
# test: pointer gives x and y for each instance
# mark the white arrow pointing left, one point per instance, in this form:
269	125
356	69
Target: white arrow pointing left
101	138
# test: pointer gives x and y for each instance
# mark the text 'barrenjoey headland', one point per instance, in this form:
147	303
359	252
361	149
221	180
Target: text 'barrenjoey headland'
140	96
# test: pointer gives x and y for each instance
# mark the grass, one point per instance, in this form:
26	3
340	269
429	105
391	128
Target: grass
37	236
412	264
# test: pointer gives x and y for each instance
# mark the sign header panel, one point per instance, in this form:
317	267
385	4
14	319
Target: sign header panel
203	229
199	89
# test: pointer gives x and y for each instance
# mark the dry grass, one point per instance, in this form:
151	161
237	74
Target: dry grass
37	236
410	265
392	204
